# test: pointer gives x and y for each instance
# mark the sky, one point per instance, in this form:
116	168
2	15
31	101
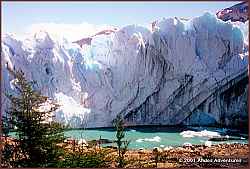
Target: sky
87	17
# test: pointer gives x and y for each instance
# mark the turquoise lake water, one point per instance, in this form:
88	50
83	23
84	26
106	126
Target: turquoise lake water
150	137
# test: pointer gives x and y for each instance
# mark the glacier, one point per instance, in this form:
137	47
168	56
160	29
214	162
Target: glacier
179	73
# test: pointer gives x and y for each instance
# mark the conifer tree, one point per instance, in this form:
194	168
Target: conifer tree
122	145
37	135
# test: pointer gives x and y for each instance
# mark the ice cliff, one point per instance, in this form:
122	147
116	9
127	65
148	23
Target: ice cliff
163	76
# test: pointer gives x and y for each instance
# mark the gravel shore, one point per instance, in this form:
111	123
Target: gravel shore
221	155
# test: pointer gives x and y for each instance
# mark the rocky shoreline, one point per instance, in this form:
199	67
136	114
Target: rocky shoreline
221	155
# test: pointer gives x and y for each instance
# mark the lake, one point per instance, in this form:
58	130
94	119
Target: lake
154	136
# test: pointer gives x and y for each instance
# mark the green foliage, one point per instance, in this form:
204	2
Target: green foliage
37	138
122	146
80	156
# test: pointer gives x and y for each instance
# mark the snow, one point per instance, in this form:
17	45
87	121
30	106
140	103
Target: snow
120	71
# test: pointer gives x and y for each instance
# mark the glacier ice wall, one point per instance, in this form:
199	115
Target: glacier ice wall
132	70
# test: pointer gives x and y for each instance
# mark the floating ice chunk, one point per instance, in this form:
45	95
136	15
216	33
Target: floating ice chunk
139	140
203	133
187	135
209	134
154	139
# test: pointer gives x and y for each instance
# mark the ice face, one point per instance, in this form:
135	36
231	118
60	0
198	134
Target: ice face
124	70
70	112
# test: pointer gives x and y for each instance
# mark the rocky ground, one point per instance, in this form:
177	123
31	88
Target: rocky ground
219	156
222	155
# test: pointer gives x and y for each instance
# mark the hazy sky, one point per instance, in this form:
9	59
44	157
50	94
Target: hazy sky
19	17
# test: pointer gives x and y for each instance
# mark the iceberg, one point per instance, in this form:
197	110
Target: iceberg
203	133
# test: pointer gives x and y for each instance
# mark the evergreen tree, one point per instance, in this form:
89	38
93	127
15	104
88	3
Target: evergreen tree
122	146
37	135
